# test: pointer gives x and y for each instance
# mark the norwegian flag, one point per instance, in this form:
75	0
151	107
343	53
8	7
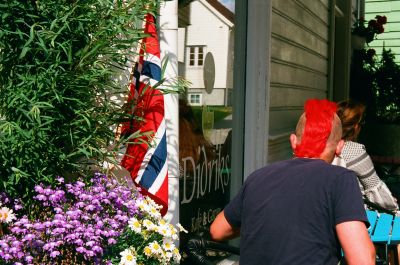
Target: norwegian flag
146	157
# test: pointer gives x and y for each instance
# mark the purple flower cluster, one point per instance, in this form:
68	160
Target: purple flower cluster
77	222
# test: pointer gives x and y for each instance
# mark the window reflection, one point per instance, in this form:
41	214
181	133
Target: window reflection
205	56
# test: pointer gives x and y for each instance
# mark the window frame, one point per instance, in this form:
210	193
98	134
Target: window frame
193	53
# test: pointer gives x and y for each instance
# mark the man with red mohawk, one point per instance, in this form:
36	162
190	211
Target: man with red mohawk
303	210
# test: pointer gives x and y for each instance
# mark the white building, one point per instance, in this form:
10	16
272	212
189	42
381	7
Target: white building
209	30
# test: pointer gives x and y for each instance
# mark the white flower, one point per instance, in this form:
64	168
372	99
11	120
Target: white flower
127	257
149	224
168	255
6	215
181	228
162	222
154	212
168	244
143	206
172	232
155	247
135	225
152	203
176	255
147	251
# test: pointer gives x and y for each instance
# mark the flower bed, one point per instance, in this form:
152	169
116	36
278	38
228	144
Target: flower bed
100	222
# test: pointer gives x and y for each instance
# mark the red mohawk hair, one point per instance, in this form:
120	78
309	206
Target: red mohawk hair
319	115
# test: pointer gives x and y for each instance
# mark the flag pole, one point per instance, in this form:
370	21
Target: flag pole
169	49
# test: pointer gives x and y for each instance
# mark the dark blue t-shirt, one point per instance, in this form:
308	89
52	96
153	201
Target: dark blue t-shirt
287	212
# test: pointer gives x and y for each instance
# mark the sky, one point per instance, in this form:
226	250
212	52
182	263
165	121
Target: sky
230	4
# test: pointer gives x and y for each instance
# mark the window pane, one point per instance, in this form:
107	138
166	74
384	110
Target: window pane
200	56
205	113
191	55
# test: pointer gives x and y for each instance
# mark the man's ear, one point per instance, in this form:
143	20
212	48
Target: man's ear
293	141
339	147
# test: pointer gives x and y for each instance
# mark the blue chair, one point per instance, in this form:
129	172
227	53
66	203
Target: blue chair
385	229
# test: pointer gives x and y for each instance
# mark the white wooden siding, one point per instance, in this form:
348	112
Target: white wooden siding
299	66
390	39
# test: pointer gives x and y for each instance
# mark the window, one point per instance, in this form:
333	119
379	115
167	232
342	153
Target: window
192	55
196	55
209	171
200	56
195	99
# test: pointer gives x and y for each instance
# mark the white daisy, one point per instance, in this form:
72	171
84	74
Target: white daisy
135	225
143	206
155	247
152	203
147	251
6	215
168	244
154	212
127	257
149	224
176	255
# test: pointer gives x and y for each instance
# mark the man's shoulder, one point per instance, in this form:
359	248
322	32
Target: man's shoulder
300	165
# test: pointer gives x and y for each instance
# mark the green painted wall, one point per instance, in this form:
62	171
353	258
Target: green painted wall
391	37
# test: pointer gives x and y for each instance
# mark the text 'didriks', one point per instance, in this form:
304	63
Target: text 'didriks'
208	176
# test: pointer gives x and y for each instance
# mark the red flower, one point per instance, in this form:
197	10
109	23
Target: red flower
380	29
370	29
381	19
373	24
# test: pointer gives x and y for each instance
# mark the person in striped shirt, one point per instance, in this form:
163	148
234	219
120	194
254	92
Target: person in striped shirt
355	157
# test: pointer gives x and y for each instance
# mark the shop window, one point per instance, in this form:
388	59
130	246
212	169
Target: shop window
206	30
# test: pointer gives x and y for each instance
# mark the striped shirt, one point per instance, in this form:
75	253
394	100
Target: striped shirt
355	158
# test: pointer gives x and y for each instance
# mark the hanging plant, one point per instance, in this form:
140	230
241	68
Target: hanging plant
369	30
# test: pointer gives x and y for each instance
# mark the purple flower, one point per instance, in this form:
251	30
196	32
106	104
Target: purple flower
41	197
81	249
80	184
80	204
60	180
29	237
38	189
111	241
55	253
49	246
16	244
97	249
79	242
86	218
90	243
59	216
90	253
90	207
48	191
38	226
14	250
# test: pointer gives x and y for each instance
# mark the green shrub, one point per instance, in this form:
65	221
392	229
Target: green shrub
57	60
